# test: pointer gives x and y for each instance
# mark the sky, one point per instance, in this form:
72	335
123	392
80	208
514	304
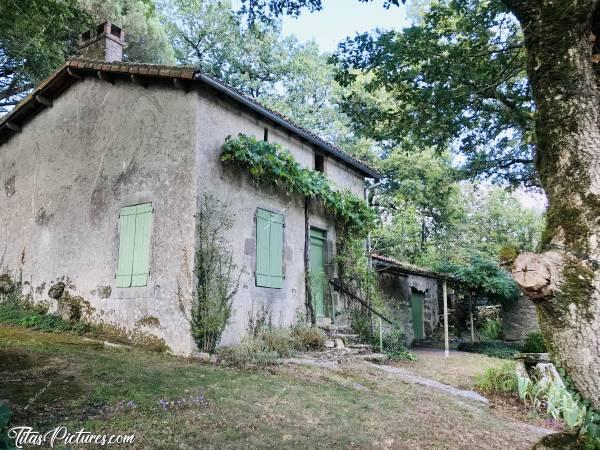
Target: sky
342	18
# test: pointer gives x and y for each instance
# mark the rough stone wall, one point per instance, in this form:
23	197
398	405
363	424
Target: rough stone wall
218	119
519	319
99	148
397	291
102	147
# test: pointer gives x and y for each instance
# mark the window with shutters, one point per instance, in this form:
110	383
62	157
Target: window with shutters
135	227
269	249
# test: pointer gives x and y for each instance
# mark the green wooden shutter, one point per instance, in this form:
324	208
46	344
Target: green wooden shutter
141	250
126	245
263	230
276	250
133	266
269	249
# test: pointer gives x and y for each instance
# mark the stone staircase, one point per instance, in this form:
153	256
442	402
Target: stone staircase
342	344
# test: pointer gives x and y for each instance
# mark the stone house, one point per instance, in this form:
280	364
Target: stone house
413	296
102	168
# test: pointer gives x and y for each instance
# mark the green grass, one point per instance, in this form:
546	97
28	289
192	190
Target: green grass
496	349
499	380
88	385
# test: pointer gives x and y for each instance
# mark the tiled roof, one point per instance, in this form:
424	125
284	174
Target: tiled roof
408	268
73	69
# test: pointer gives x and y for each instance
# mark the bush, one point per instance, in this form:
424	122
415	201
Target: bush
534	343
361	325
394	345
496	349
501	380
491	330
266	346
217	277
308	338
394	339
15	310
251	352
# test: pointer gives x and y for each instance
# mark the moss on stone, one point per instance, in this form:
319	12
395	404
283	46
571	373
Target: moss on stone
148	321
77	307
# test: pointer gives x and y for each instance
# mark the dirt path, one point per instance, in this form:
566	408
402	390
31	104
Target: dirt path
410	377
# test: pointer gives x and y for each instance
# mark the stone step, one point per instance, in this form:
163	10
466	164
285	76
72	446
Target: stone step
372	357
358	346
331	328
348	338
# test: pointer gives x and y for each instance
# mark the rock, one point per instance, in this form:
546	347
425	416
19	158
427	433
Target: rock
549	372
566	440
329	343
56	290
531	359
519	319
7	285
339	343
201	356
521	370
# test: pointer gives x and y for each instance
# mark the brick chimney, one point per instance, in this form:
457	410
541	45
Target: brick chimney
105	43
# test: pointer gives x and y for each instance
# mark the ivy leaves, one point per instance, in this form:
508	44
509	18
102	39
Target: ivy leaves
273	164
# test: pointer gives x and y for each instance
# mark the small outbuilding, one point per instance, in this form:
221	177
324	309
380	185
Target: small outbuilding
414	296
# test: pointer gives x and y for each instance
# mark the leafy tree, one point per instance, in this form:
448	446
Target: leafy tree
561	39
484	277
418	202
292	78
455	78
146	38
35	38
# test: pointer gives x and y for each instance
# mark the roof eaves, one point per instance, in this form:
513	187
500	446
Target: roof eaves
280	120
185	73
410	268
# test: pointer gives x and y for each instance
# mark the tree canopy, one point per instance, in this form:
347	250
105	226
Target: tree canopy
35	38
455	79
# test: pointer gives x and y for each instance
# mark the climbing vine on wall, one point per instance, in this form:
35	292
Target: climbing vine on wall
273	164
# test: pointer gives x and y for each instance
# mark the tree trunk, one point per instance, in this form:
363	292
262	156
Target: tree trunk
564	281
310	311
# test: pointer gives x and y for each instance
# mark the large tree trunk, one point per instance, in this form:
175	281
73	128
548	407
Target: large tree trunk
564	281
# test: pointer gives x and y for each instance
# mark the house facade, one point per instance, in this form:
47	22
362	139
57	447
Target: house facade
103	167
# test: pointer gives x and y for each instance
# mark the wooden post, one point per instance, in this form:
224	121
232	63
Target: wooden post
446	336
471	316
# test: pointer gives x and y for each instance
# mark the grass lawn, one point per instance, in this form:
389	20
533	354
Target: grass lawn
460	369
68	381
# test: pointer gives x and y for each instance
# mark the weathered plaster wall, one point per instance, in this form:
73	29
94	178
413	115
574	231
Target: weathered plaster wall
99	148
102	147
398	290
519	319
217	120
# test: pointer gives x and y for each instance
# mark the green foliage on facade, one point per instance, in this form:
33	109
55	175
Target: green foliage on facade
270	163
217	277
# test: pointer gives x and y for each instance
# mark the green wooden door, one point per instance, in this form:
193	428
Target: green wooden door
416	303
317	270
